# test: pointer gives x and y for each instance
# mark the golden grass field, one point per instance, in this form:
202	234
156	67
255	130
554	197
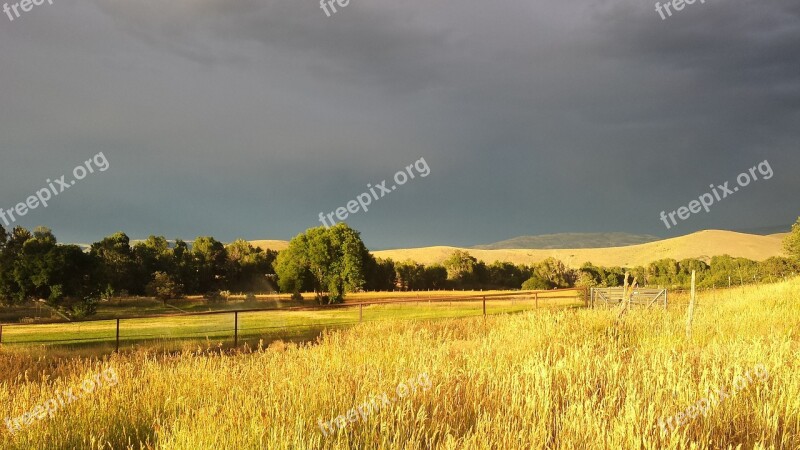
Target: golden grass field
701	245
570	379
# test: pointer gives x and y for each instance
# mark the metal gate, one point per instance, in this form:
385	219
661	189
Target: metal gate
638	297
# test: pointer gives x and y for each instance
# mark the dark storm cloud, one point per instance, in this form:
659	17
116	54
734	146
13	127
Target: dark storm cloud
247	118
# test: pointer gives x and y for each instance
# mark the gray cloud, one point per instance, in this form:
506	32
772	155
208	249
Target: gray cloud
247	118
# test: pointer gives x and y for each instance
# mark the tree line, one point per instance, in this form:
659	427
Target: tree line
333	261
34	266
330	262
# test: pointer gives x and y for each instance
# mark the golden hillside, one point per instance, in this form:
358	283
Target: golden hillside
270	244
703	245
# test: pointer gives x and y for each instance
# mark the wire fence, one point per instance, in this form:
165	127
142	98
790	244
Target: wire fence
247	325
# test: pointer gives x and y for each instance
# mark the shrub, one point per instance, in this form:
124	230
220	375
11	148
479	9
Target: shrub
163	287
108	294
535	283
84	308
56	295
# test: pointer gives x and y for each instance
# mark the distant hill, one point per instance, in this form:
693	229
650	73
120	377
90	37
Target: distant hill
270	244
571	240
701	245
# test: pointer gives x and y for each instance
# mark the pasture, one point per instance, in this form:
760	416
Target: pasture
552	378
266	319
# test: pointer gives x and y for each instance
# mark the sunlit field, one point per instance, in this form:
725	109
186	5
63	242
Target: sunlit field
549	378
287	321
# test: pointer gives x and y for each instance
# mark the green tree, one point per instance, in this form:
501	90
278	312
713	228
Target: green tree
434	277
585	279
792	242
42	269
555	273
150	256
334	259
347	265
210	263
76	274
777	268
725	269
36	267
686	266
504	275
11	254
663	272
410	275
612	276
117	266
291	267
381	274
590	275
248	267
185	268
462	268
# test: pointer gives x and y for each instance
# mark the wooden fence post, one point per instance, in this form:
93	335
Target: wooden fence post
536	299
625	291
235	329
484	306
117	336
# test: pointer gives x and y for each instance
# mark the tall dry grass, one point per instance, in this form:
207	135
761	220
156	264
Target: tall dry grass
570	379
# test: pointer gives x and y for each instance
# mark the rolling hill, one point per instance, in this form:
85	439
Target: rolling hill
570	240
703	245
270	244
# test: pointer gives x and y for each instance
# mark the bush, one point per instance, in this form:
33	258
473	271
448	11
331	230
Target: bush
84	308
163	287
56	295
108	294
535	283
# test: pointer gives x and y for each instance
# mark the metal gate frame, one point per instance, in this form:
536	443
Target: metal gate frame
638	297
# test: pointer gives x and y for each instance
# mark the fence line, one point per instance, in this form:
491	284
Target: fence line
579	294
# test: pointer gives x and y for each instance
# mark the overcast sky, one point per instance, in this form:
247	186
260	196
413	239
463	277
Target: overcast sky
246	118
